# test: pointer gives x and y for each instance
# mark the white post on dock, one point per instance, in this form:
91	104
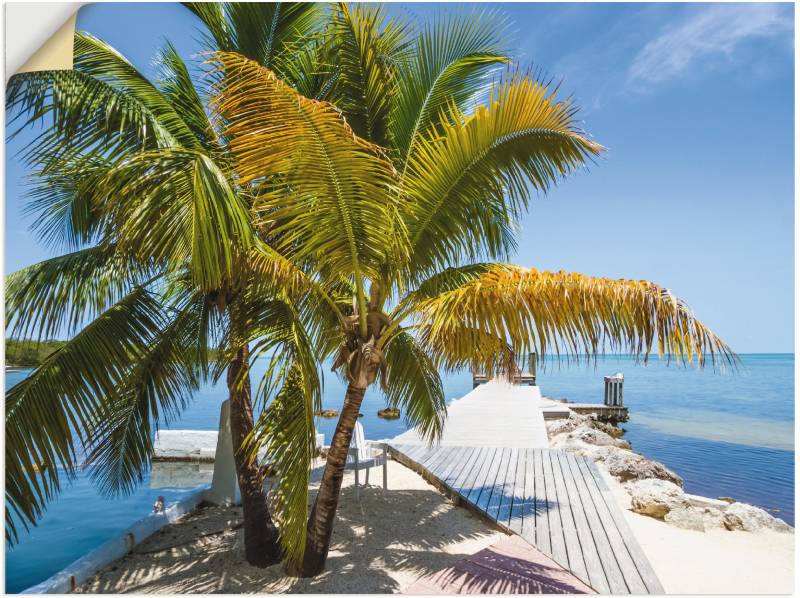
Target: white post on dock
612	396
224	484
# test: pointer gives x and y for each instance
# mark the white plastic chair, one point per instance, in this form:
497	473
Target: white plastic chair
363	455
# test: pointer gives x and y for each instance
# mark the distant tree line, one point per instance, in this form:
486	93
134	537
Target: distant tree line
26	352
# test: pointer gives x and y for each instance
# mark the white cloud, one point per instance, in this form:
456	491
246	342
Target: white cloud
708	35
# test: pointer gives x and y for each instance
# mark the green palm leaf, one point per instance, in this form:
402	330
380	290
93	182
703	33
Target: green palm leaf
367	50
177	207
266	32
156	390
285	431
289	394
99	60
84	114
64	292
176	85
452	59
60	201
413	385
50	413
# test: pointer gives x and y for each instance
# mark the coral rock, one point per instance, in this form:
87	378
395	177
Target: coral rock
743	517
656	498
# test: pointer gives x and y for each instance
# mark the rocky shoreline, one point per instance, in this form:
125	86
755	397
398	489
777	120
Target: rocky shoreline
655	490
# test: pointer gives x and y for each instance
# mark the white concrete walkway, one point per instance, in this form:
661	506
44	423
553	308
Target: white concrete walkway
494	414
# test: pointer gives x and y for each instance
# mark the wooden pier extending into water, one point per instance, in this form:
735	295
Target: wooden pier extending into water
494	459
553	499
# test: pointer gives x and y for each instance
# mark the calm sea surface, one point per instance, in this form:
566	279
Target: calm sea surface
726	434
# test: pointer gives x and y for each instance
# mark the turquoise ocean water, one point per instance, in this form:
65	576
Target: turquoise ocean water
726	434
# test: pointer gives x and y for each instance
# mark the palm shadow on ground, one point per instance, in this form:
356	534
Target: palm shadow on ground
381	543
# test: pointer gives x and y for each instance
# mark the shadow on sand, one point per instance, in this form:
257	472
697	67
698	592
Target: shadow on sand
380	544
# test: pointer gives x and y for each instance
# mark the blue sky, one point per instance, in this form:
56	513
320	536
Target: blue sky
695	105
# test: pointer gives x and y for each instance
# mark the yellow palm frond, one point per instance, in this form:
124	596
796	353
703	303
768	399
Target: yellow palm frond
558	312
335	177
325	194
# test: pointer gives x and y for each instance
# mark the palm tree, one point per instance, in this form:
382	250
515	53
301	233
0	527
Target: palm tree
133	177
412	227
297	229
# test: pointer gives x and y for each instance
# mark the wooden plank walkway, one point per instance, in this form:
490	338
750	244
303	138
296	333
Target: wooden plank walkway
555	500
494	414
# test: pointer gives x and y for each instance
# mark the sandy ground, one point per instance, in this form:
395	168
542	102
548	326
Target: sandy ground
387	540
381	544
712	562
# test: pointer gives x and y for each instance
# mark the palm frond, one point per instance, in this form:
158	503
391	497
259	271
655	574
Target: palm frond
289	394
83	114
312	68
218	34
367	50
102	62
176	85
452	59
61	294
285	431
449	279
177	207
565	313
156	390
61	201
339	209
413	385
266	32
49	414
468	186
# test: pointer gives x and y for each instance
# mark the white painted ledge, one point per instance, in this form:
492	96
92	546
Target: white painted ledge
82	569
168	445
185	445
192	445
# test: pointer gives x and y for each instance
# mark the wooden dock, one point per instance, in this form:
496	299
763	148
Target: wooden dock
555	500
495	414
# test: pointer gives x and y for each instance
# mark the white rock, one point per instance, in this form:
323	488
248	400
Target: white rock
655	497
569	443
695	518
687	518
563	426
627	465
597	437
743	517
706	502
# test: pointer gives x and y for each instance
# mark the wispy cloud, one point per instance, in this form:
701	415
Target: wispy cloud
707	36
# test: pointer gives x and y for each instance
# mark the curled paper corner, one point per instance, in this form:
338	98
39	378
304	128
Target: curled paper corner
40	36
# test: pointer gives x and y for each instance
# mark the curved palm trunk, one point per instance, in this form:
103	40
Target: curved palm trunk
261	540
323	513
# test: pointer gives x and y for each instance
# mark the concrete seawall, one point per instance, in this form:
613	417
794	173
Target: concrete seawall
82	569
